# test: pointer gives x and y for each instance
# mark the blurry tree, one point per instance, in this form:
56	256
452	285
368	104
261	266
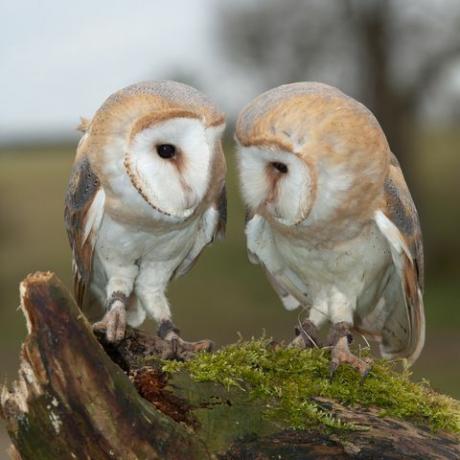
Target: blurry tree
386	53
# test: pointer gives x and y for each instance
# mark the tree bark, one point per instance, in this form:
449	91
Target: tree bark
71	400
76	399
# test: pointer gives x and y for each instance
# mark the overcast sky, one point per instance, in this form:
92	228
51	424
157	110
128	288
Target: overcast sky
60	59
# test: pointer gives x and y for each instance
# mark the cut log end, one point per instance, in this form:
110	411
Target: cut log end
70	398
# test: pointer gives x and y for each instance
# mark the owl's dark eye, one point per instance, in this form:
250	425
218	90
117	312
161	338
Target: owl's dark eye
166	150
281	167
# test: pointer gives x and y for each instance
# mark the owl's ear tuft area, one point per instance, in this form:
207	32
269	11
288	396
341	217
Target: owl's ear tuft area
83	125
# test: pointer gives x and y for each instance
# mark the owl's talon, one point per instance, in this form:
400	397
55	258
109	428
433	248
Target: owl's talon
174	345
366	373
113	323
181	349
332	369
339	338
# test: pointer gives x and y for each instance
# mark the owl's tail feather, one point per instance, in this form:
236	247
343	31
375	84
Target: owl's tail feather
403	339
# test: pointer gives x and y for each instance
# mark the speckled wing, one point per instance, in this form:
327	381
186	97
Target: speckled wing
212	227
403	333
83	212
221	205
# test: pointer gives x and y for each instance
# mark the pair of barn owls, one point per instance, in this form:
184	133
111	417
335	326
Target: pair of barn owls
330	218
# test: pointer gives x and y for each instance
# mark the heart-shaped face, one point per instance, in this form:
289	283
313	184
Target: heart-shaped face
170	163
310	155
277	183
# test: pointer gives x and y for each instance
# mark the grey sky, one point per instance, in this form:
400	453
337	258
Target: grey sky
61	59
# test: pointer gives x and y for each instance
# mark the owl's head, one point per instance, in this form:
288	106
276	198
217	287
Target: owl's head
160	142
308	153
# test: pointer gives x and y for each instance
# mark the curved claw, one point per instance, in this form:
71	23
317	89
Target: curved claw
366	372
113	323
183	350
341	354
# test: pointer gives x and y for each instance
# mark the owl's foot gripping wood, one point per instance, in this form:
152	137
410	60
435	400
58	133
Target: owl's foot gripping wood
113	322
307	336
180	348
339	339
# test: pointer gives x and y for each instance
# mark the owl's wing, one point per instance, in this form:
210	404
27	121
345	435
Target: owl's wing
261	250
251	236
212	227
83	212
221	204
403	334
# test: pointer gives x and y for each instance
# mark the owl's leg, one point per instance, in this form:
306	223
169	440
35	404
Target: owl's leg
114	321
339	339
341	308
153	299
118	290
306	335
135	314
307	332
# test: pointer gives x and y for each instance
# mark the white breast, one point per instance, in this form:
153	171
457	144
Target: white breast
120	245
351	273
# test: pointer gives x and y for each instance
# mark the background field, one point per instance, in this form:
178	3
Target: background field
223	294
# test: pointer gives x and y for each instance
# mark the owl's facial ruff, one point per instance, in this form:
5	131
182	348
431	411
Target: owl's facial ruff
277	183
169	163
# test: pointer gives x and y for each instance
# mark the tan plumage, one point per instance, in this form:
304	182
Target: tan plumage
320	180
108	184
81	190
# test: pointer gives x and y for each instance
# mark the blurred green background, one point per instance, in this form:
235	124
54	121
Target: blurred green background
399	57
224	294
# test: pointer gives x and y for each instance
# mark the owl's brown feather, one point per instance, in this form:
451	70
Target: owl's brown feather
81	190
164	99
400	210
221	205
316	121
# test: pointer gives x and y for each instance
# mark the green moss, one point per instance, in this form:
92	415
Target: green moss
288	380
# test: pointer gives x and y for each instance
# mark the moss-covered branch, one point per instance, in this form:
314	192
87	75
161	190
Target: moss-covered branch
249	400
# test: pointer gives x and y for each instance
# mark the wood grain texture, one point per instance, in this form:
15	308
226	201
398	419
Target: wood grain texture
71	400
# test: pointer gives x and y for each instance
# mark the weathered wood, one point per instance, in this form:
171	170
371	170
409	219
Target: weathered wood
74	400
71	400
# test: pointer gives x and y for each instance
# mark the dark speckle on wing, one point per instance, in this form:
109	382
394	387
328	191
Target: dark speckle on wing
398	213
81	190
400	209
83	185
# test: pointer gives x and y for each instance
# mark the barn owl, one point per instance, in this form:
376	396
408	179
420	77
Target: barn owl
331	220
145	196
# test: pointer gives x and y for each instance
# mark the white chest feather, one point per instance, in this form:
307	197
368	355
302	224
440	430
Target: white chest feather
120	249
345	277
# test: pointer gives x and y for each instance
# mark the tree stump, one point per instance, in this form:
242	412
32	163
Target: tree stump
78	397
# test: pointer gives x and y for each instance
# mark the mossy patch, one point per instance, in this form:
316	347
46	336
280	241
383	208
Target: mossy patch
288	381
